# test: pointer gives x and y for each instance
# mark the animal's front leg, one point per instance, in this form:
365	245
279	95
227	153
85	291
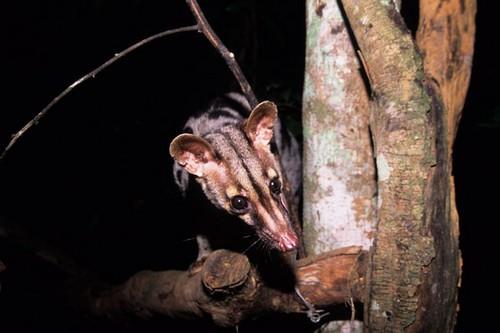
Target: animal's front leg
204	248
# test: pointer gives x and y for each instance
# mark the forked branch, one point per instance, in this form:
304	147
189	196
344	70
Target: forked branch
89	75
228	56
202	26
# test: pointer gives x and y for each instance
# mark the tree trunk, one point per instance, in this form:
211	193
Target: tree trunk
415	262
445	38
339	173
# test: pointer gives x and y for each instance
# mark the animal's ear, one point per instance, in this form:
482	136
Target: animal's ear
259	125
192	153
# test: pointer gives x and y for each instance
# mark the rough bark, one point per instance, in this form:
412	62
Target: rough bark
445	37
226	288
415	113
339	173
446	40
403	137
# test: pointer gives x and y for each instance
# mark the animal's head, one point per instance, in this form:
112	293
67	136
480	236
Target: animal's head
239	173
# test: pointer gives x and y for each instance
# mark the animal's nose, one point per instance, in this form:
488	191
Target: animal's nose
288	242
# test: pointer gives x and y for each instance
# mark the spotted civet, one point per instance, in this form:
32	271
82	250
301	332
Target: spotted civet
246	164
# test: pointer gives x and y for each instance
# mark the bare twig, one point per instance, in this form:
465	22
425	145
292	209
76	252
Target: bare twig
87	76
202	26
228	56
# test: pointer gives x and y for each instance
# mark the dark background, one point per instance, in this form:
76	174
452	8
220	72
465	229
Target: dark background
94	178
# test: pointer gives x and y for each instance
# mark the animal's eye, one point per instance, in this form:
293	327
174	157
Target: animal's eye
275	185
239	203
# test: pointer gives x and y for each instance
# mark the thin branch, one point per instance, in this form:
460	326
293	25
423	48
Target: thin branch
87	76
228	56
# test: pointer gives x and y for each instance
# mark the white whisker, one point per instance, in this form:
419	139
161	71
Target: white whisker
251	245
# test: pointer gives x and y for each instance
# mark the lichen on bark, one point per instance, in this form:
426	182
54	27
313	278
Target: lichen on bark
414	113
339	181
403	137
